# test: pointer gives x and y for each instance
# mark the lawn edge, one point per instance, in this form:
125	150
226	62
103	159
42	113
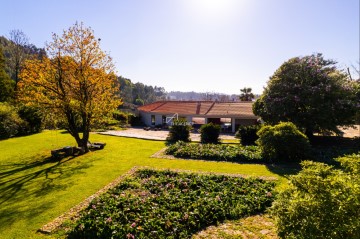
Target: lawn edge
74	212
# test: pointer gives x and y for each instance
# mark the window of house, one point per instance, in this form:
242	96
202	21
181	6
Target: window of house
152	119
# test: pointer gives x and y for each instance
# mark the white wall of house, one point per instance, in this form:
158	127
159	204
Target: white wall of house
146	118
235	122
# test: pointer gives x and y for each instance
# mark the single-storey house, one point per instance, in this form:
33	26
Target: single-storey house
230	115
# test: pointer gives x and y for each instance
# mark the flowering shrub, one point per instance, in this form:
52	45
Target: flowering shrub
215	152
166	204
310	92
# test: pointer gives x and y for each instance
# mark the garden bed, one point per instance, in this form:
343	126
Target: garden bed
168	204
216	152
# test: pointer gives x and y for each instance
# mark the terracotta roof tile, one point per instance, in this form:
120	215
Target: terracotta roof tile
201	108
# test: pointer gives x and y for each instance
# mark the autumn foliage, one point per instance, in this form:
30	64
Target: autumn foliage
77	82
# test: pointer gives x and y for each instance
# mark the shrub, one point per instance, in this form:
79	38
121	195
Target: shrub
33	118
215	152
283	142
321	201
166	204
179	131
120	116
247	134
209	133
10	122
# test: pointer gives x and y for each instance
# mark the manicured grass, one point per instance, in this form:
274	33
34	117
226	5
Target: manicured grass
35	189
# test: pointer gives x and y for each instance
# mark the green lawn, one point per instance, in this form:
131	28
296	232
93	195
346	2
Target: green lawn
35	189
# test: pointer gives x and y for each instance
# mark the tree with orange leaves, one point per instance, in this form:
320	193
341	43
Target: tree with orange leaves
77	82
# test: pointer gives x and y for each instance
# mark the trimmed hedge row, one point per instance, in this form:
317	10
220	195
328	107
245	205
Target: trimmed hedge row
216	152
167	204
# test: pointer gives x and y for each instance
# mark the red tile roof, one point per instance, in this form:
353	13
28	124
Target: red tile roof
201	108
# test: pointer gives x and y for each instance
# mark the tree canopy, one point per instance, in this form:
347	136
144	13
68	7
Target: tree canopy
310	92
6	84
77	81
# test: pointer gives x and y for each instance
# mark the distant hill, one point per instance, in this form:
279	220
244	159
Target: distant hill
27	51
178	95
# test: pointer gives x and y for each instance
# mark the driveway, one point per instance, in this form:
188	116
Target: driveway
155	135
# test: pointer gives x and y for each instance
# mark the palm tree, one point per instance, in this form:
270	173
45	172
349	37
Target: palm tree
246	94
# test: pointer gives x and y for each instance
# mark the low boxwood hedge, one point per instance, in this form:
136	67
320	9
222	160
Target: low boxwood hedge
167	204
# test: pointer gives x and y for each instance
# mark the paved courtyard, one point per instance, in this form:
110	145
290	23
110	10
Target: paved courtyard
162	134
156	135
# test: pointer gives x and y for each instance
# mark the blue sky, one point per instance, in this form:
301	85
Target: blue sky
198	45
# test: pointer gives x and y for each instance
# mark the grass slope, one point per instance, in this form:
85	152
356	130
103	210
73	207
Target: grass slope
35	189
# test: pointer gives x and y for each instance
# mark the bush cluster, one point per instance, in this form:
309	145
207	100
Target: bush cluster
209	133
166	204
179	131
247	134
215	152
321	201
18	121
283	142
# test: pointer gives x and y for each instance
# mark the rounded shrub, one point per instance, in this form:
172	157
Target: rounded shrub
320	201
179	131
247	134
209	133
283	142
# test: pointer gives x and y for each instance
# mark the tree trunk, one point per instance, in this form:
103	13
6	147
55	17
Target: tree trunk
74	131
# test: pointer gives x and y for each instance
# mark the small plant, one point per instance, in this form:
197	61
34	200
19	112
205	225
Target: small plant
321	201
179	131
283	142
247	134
209	133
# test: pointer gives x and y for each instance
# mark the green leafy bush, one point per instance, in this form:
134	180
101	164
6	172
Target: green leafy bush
179	131
321	201
209	133
120	116
33	118
166	204
215	152
10	122
247	134
283	142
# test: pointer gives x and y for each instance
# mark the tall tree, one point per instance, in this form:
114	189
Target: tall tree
19	41
246	94
310	92
6	84
77	82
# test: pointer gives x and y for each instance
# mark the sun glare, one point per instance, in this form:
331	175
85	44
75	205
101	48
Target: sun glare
213	10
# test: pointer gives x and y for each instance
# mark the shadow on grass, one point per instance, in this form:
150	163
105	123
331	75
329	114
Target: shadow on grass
325	149
18	181
283	169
